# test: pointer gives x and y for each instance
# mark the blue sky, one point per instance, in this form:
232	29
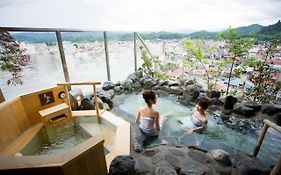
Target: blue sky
141	15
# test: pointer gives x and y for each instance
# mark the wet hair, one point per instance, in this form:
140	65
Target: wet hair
148	95
203	102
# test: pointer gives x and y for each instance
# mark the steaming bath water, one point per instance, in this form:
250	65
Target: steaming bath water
216	135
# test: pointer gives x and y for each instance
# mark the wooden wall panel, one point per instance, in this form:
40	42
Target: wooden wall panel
32	104
13	121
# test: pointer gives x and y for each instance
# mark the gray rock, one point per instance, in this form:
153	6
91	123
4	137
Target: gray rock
229	102
165	170
190	82
148	83
277	117
106	96
254	105
215	101
240	108
176	90
138	147
191	93
271	109
118	90
177	152
246	165
221	156
127	83
162	83
132	77
139	74
107	85
100	103
173	83
143	78
122	165
193	169
73	103
87	104
172	160
213	94
222	99
136	85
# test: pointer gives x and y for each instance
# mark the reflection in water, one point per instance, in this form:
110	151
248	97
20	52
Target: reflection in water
215	136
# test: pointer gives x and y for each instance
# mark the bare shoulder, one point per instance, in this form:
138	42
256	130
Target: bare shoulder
156	114
141	108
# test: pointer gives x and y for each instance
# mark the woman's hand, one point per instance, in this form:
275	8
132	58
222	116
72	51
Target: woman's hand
189	130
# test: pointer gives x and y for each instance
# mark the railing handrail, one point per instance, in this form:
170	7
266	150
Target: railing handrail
67	84
33	29
277	168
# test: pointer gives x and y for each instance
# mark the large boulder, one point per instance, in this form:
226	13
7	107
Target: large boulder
254	105
162	83
118	90
148	84
187	83
127	84
240	108
132	77
191	93
245	165
136	85
176	90
229	102
139	74
122	165
271	109
221	156
73	103
213	94
277	118
87	104
106	96
107	85
165	170
173	83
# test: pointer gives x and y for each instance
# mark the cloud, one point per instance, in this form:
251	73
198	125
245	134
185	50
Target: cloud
131	15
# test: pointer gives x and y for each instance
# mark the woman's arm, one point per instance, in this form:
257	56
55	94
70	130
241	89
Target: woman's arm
200	128
137	117
157	124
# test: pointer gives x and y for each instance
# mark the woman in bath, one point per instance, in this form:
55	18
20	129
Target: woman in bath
198	119
147	117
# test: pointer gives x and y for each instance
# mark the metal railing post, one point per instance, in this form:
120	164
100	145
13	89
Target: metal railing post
62	56
135	50
2	98
144	45
106	56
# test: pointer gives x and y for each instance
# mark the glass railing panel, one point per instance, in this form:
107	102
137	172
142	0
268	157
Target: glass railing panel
85	57
121	55
43	70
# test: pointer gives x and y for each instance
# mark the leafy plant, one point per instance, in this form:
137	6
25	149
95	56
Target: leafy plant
196	50
264	87
237	47
148	64
12	57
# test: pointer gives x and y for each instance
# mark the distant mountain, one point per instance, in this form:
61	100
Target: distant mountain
271	32
271	29
255	30
50	37
251	29
203	35
241	31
